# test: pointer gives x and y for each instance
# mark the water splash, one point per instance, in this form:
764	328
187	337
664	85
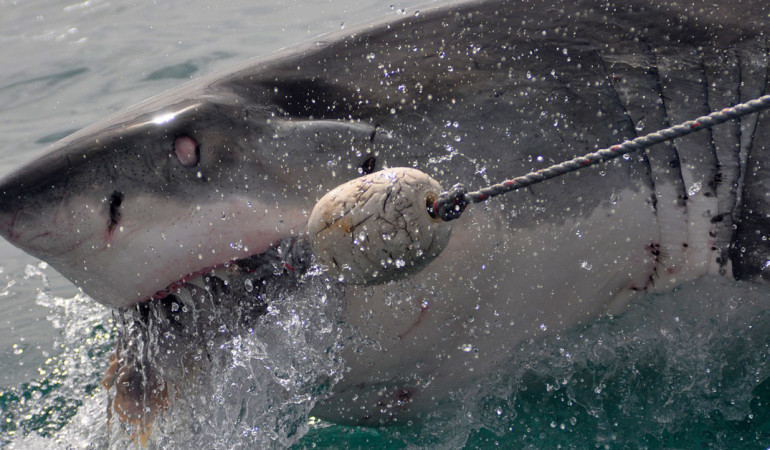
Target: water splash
34	414
680	369
238	376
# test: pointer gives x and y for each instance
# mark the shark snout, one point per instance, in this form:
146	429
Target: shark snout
44	229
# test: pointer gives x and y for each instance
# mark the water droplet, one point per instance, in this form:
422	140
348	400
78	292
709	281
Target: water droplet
694	188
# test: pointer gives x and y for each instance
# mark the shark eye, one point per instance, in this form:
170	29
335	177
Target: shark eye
187	150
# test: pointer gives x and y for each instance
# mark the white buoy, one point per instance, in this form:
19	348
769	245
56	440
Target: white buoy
377	228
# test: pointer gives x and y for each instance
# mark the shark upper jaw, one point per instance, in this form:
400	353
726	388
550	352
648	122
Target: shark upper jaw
290	255
207	247
192	278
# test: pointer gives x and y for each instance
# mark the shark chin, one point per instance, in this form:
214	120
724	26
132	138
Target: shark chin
192	196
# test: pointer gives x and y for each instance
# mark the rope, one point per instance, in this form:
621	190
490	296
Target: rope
451	204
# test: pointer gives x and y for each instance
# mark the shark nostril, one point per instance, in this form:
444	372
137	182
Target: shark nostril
187	150
116	199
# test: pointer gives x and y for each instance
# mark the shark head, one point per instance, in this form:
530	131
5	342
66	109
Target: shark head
170	189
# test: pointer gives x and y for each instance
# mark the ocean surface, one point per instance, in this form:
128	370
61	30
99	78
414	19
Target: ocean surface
687	369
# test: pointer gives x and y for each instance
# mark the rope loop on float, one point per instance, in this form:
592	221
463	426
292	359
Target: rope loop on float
451	204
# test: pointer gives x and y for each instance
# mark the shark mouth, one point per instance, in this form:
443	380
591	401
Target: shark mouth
288	259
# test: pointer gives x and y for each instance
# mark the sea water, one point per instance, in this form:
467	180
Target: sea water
686	369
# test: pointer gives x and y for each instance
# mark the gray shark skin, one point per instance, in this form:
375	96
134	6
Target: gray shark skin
471	92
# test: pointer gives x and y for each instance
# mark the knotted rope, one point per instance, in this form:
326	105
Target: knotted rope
451	204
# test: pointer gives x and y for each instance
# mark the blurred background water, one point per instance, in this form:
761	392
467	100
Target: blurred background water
66	64
688	369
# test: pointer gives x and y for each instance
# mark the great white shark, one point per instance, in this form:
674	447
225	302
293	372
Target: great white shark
225	170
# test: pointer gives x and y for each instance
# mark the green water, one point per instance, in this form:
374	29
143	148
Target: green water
632	415
660	376
539	419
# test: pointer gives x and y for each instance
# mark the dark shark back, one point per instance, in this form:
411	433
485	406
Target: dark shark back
524	79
